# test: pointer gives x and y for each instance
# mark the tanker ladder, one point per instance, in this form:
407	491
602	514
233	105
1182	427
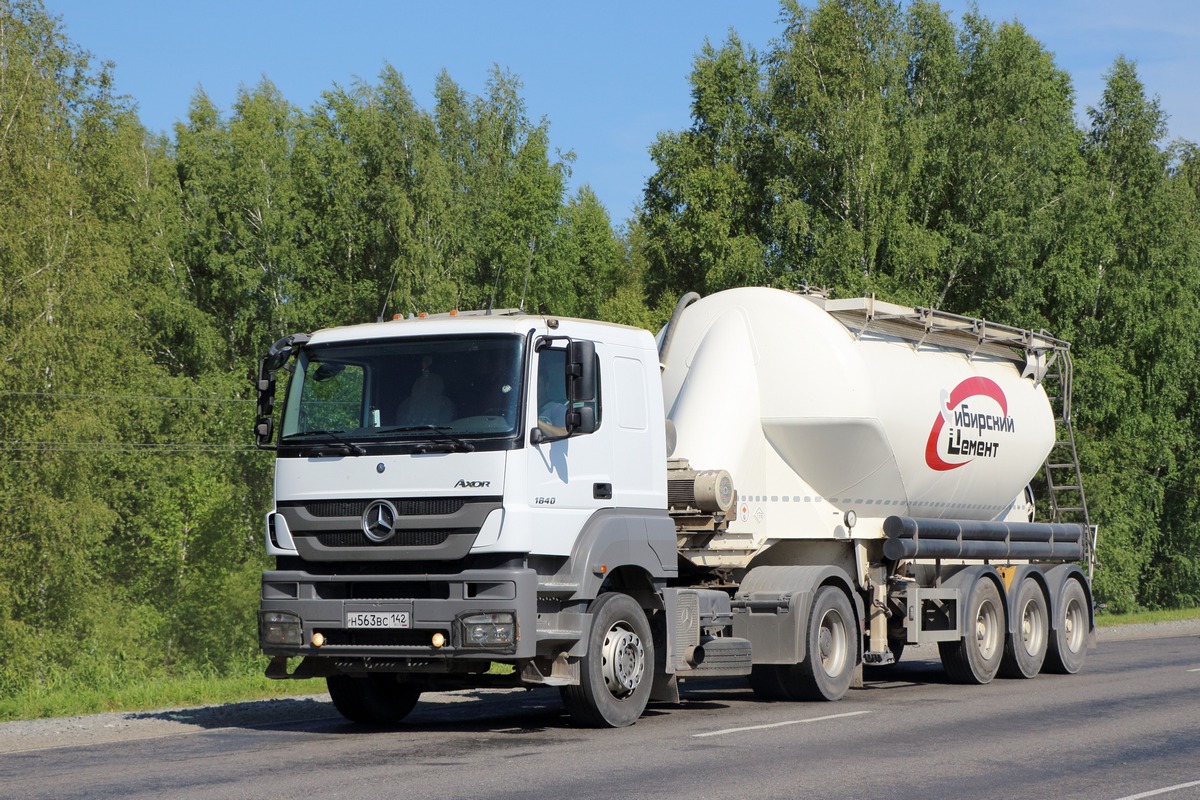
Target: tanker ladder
1064	479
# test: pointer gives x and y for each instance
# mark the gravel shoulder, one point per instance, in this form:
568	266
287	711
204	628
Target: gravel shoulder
126	726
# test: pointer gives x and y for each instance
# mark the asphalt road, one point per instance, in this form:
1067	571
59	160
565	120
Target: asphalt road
1127	727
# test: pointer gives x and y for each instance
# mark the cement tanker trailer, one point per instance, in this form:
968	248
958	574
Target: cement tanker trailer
782	486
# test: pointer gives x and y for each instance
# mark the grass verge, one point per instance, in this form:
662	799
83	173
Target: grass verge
1146	617
69	699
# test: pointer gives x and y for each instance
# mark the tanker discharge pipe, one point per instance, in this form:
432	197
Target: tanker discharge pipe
669	331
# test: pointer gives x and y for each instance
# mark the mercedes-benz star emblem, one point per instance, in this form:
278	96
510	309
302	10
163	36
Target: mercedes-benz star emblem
379	521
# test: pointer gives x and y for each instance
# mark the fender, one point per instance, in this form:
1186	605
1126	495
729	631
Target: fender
1019	574
964	579
619	537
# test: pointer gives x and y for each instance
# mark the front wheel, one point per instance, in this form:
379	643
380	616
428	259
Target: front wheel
374	699
615	676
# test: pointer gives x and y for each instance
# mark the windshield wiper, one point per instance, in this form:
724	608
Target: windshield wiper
441	434
345	446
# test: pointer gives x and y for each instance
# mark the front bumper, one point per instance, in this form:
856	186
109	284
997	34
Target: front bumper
437	607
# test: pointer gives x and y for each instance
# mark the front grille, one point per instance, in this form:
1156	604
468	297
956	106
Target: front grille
337	508
383	590
399	539
430	506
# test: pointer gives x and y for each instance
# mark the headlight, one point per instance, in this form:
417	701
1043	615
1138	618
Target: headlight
279	628
488	630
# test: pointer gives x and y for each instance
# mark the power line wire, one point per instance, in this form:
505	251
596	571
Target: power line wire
128	397
101	447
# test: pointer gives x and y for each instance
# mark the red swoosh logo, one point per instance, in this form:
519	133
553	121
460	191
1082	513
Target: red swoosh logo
971	387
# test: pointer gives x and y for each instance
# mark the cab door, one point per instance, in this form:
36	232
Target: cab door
569	479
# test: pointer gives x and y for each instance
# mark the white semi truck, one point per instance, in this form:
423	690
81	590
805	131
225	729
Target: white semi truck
782	486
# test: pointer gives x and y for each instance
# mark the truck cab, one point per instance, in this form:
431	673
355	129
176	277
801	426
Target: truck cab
455	491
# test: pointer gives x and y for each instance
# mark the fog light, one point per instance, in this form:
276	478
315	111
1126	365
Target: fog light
279	628
318	640
439	640
489	630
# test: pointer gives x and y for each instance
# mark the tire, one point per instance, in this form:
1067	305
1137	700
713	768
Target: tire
375	699
772	681
616	674
975	657
1068	641
825	673
1025	647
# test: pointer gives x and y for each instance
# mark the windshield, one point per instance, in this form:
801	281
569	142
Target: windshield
401	390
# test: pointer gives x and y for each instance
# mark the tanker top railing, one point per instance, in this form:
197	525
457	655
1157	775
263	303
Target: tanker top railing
866	315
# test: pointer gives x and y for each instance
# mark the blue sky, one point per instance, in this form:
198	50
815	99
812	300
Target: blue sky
608	76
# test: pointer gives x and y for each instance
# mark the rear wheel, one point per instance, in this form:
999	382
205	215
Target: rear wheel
1068	645
832	653
615	676
1025	648
975	657
374	699
772	681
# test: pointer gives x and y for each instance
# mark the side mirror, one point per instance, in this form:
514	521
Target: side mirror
265	407
581	420
581	371
276	357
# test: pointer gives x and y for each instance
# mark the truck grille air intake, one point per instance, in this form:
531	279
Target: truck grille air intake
399	539
354	508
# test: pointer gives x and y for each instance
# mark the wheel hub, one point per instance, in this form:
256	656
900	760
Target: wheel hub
987	630
832	644
624	660
1033	629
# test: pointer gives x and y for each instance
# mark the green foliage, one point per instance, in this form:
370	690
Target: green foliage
882	148
141	280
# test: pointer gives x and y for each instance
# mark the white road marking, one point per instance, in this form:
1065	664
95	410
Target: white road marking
779	724
1163	790
1197	669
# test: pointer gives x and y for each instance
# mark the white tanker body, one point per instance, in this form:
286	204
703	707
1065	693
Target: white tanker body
893	445
841	479
813	419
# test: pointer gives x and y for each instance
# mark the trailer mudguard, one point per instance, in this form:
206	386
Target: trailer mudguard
963	580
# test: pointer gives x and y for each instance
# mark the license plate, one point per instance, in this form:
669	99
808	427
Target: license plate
375	619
